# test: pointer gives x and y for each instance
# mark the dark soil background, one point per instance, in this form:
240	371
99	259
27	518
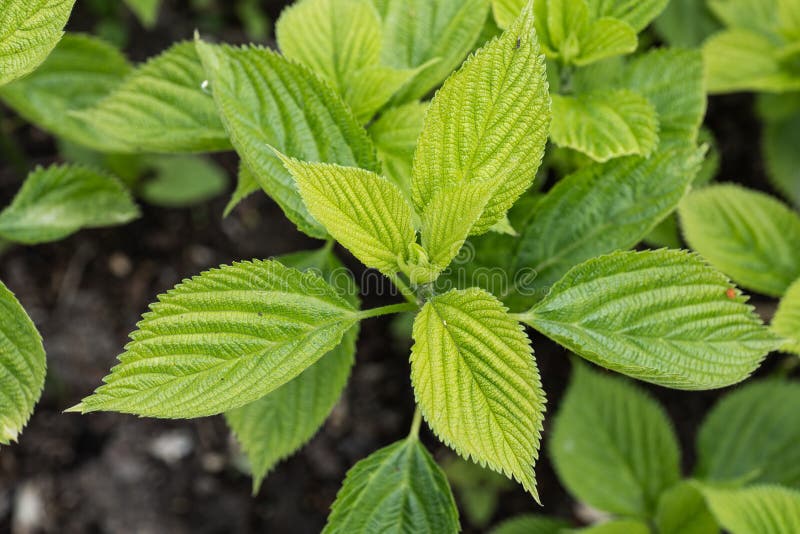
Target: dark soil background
111	473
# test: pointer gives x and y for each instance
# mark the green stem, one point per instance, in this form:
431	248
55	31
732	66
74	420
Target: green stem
388	310
415	424
407	292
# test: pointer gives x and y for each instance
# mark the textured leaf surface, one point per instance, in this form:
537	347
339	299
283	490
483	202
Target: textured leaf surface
613	446
605	125
756	510
488	123
530	524
80	71
682	510
224	339
275	426
60	200
786	322
266	100
752	434
395	490
637	13
363	211
477	384
661	316
395	135
162	107
748	235
146	10
437	34
22	366
29	30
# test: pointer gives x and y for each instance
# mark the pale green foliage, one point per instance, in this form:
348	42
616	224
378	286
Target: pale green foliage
162	107
57	201
180	181
605	125
146	10
637	13
570	34
488	123
264	100
224	339
22	366
748	235
662	316
29	30
363	211
80	71
756	15
395	135
477	384
612	445
530	524
755	510
686	23
278	424
434	35
615	526
786	322
752	434
682	510
398	489
505	11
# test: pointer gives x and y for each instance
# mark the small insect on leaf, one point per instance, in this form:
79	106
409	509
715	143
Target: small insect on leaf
731	293
519	42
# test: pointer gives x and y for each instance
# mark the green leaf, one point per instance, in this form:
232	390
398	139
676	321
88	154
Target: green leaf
756	15
786	322
505	11
637	13
530	524
662	316
275	426
395	135
682	510
477	384
264	100
246	185
224	339
752	433
396	489
741	60
478	489
57	201
615	526
756	510
22	366
605	125
780	141
750	236
609	207
361	210
29	30
612	445
438	36
499	136
162	107
180	181
80	71
686	23
145	10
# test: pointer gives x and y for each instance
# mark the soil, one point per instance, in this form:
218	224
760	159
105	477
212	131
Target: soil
112	473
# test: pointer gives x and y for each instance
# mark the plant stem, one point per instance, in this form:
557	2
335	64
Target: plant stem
407	292
415	424
387	310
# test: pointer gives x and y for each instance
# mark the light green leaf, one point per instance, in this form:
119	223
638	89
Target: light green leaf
266	100
750	236
395	490
682	510
373	88
686	23
246	185
752	434
530	524
615	526
605	125
224	339
145	10
180	181
477	384
162	107
488	123
505	11
780	141
612	445
604	38
756	15
609	207
637	13
742	60
22	366
662	316
29	30
60	200
275	426
786	322
437	34
755	510
80	71
363	211
395	135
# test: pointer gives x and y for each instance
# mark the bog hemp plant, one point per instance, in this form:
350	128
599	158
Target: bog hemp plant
336	129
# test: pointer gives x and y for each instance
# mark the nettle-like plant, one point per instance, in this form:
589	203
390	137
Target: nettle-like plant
333	129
